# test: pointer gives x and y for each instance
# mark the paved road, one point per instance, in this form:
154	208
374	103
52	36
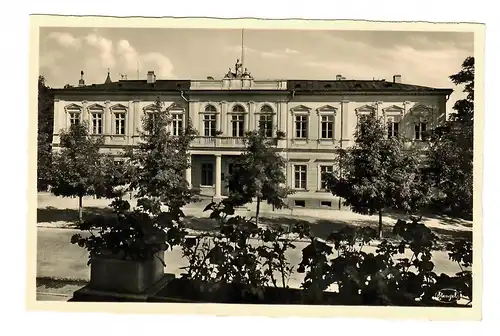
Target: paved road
58	258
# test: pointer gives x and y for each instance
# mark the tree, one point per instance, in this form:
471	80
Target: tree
160	161
450	156
378	174
77	169
45	131
258	173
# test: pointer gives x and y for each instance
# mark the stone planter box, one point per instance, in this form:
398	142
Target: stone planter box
125	276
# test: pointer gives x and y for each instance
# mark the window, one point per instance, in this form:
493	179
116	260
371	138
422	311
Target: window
326	204
392	129
266	124
300	177
96	123
209	124
74	118
177	124
207	174
120	123
324	170
301	126
420	128
210	108
238	124
238	109
327	127
266	109
362	117
300	203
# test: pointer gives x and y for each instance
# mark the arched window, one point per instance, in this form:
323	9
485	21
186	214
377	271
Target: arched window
238	109
266	109
210	108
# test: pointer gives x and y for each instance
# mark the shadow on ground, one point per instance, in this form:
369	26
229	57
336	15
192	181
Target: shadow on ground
324	227
58	283
321	228
51	214
449	221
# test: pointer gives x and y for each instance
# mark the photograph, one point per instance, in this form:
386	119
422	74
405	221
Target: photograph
255	163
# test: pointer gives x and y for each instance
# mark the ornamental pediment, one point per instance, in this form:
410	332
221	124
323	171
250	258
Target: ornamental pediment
73	107
300	108
96	107
175	106
119	107
327	108
365	109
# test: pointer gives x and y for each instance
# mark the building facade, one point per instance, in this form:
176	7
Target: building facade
317	118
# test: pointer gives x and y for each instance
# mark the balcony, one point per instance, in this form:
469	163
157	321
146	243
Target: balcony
218	142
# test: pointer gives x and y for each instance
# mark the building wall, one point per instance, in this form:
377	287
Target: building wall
311	152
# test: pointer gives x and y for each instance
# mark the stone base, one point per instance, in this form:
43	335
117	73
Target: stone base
88	294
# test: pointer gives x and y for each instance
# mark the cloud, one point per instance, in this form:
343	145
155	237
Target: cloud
131	58
65	39
291	51
105	48
128	55
163	63
263	53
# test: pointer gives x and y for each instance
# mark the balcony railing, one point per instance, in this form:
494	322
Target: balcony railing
218	141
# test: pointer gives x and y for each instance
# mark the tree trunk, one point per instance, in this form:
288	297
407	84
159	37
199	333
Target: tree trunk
80	208
380	224
257	211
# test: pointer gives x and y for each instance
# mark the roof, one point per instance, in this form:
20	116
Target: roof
130	85
346	85
298	86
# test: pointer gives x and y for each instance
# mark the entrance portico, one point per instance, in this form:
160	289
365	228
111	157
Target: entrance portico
207	173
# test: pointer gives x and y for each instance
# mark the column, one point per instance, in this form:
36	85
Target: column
85	114
107	118
218	172
138	117
188	173
249	118
405	130
57	125
318	121
283	110
379	109
223	119
275	122
134	117
345	121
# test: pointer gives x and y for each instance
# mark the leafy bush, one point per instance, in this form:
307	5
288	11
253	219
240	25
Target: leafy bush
136	234
384	277
241	253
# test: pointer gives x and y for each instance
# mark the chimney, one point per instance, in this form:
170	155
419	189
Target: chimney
339	77
396	79
210	78
151	77
81	82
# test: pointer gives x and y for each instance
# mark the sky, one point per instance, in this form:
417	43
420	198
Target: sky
421	58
